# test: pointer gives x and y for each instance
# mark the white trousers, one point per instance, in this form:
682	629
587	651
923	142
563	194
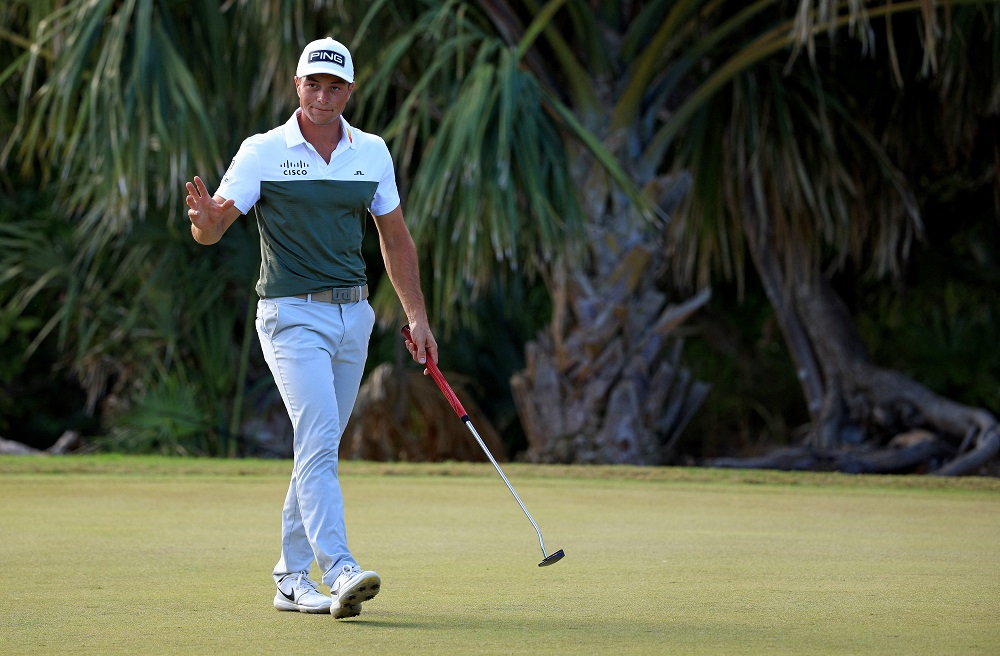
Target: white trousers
316	352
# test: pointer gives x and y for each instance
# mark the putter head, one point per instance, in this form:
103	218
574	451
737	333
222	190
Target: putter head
551	559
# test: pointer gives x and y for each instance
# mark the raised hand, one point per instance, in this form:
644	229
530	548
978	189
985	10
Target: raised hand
210	218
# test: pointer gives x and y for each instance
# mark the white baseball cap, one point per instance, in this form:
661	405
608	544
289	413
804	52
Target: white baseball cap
326	56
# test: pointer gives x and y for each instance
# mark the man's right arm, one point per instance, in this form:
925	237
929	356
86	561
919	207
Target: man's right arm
210	216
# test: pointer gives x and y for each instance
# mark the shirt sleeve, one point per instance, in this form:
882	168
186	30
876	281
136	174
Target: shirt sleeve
242	180
387	195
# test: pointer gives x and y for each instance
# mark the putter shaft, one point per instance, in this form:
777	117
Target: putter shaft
456	405
510	487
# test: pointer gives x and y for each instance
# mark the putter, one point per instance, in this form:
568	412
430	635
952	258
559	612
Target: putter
547	558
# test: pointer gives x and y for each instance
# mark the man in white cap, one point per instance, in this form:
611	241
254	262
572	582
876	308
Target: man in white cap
312	182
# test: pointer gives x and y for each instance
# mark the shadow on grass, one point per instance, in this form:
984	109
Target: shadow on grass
388	623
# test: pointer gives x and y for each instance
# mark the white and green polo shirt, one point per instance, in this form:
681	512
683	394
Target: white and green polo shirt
311	214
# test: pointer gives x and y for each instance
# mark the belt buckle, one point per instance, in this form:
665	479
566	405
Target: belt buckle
341	294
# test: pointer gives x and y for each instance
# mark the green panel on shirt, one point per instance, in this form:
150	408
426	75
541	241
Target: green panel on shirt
310	235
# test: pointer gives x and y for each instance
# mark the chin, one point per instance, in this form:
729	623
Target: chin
322	120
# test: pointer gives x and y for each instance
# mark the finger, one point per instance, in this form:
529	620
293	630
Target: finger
430	346
420	350
202	189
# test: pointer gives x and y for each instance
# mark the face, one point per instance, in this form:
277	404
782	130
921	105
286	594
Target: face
323	97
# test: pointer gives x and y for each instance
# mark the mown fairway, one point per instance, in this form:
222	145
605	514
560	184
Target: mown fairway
153	556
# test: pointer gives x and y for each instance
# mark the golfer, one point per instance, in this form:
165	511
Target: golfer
312	182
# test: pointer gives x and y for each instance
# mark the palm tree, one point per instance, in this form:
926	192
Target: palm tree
507	146
114	112
817	173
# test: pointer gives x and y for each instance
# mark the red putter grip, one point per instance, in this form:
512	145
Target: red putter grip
442	384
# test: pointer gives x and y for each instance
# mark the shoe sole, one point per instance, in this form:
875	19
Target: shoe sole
283	604
343	612
363	588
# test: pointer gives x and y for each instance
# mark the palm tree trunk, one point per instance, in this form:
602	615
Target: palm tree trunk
604	383
776	287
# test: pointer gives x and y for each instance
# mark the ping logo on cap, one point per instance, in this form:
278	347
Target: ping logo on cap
326	56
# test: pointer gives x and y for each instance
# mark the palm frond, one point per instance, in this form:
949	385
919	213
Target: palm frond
493	190
810	160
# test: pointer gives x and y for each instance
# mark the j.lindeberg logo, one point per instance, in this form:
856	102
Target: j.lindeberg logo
225	178
326	55
295	168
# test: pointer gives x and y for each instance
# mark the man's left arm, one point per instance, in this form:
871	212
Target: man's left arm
400	256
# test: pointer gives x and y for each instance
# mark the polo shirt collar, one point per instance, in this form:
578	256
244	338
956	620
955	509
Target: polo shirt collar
293	134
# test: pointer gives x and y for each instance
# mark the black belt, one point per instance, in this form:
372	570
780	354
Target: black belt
337	295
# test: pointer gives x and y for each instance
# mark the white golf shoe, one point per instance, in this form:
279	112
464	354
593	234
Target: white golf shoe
297	592
353	586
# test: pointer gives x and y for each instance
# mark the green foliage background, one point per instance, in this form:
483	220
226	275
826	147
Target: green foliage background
113	322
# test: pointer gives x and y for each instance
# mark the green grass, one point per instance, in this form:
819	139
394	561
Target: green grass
118	555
